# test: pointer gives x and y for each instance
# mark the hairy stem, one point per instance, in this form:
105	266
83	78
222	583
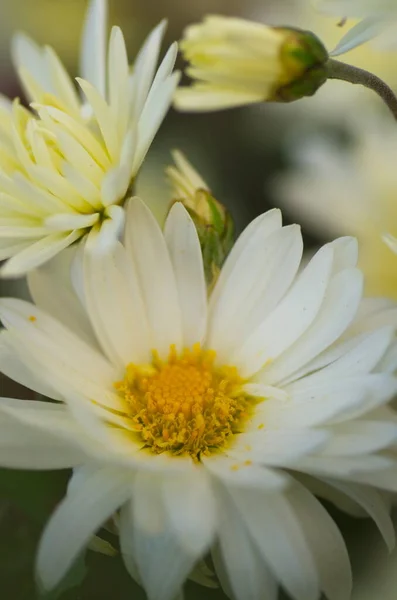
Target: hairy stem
344	72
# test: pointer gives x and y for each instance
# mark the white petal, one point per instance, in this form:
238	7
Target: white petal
290	319
208	98
51	289
126	528
76	519
145	66
372	502
162	562
25	446
190	504
152	116
185	253
145	245
241	256
29	55
278	535
260	279
58	353
93	47
326	543
247	574
364	31
240	473
14	368
116	307
345	253
337	311
361	437
346	359
281	447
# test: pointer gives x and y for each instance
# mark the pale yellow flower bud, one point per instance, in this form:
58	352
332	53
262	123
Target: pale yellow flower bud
234	62
213	222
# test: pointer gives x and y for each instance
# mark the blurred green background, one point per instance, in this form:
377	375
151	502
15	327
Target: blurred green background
315	158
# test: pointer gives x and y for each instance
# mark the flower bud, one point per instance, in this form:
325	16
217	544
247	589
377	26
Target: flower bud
213	222
234	62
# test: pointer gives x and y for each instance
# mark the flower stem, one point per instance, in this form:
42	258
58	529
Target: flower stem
345	72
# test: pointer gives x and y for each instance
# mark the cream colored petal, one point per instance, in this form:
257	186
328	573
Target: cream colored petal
38	253
93	46
116	307
146	247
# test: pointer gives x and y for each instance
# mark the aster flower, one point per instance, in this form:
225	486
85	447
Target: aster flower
197	419
234	62
67	164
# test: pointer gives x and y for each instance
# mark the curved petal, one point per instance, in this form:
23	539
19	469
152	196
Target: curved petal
186	257
326	543
146	247
290	319
280	539
77	518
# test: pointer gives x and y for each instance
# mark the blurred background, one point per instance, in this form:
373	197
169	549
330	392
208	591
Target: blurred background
330	162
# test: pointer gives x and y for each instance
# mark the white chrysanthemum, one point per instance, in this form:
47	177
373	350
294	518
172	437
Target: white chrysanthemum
204	422
378	17
67	164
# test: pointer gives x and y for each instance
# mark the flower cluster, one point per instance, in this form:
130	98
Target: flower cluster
207	395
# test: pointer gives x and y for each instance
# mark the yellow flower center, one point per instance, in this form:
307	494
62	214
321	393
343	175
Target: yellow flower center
185	405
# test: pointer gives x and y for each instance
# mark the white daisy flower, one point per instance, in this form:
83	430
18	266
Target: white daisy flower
68	163
204	422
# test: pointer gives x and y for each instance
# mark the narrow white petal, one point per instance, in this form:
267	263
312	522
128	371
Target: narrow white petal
162	562
364	31
339	307
145	66
51	290
280	539
290	319
280	447
145	245
207	98
38	253
29	55
189	502
326	543
361	437
152	116
373	504
85	508
242	473
126	534
185	253
69	222
93	47
262	276
247	573
13	367
116	307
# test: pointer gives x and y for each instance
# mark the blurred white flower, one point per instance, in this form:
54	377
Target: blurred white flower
350	190
67	165
377	17
196	419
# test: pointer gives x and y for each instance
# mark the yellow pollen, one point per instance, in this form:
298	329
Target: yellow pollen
185	405
32	319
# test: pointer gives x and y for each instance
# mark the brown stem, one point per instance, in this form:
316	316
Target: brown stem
345	72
